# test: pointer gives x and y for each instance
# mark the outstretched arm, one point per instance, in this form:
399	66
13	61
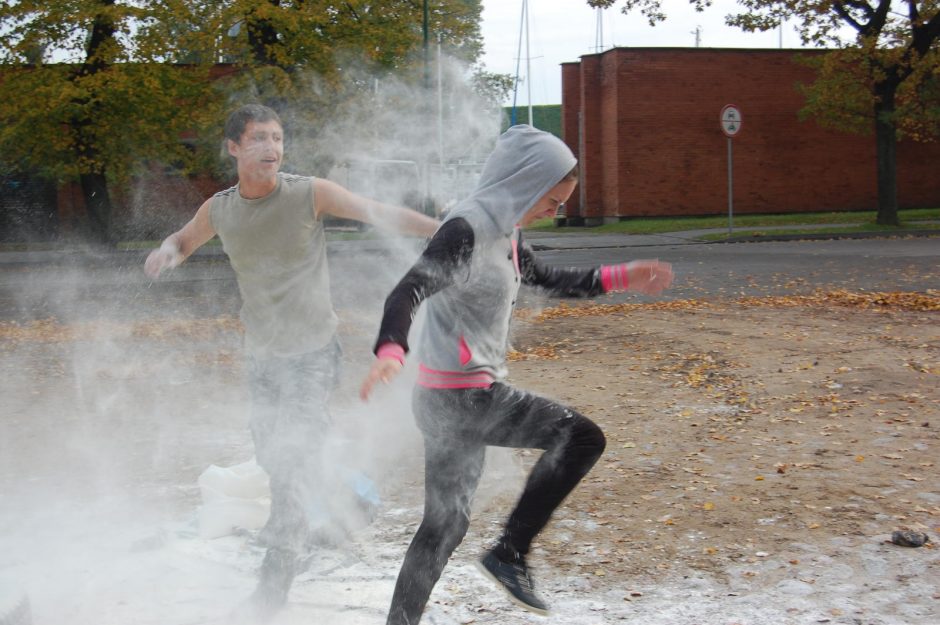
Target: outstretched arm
178	246
650	277
559	281
447	253
333	199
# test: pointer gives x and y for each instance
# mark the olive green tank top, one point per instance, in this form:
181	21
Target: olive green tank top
278	251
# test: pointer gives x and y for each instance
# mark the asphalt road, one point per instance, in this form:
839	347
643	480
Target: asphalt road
82	287
780	267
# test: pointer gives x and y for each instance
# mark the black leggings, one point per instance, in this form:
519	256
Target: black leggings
457	425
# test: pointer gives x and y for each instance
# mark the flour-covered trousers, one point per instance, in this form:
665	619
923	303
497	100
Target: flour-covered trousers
290	420
458	424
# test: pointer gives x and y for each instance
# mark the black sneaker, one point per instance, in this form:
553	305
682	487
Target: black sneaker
513	577
277	574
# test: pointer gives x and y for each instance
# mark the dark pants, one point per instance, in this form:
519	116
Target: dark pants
457	425
289	423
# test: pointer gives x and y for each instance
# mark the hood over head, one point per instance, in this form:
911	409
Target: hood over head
525	164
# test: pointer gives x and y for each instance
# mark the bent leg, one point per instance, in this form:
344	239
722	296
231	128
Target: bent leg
452	473
572	443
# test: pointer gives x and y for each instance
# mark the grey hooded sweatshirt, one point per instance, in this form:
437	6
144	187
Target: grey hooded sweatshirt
470	273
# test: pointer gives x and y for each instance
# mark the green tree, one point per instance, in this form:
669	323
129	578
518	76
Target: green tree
107	107
298	55
95	89
319	64
882	76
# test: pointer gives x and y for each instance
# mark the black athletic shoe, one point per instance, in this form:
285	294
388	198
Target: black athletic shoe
513	577
277	575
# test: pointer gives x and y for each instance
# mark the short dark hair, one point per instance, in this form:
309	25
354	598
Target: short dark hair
573	174
239	118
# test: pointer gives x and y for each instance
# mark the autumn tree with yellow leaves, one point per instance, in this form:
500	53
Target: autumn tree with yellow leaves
882	74
88	95
94	90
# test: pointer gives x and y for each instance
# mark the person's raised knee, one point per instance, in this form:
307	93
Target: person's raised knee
590	438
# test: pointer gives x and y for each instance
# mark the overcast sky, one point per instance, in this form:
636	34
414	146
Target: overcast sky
562	30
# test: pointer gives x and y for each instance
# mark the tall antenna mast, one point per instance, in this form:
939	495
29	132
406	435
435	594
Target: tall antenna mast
599	30
523	31
515	87
528	60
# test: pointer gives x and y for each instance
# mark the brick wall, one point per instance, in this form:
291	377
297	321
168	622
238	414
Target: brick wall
652	143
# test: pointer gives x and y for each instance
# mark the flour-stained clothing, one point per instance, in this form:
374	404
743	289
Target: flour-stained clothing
277	248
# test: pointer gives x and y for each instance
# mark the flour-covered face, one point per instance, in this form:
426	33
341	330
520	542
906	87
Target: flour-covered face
548	204
260	149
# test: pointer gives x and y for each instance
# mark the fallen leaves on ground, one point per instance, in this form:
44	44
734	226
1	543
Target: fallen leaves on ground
52	330
739	428
928	301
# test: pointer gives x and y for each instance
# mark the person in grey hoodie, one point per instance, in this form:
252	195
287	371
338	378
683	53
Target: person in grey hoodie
468	279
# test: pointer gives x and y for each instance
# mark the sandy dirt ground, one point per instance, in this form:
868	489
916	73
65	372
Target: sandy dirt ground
767	445
760	453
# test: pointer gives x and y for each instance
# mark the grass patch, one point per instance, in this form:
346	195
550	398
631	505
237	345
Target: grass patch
149	245
654	225
911	226
28	247
745	225
353	235
125	246
331	235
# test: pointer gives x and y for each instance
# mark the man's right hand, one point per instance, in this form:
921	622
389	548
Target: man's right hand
167	256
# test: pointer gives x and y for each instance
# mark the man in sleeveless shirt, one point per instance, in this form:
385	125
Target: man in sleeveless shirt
271	227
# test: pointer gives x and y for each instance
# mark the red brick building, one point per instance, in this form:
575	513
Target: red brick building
644	123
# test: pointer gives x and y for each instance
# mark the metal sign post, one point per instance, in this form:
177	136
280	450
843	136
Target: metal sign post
730	125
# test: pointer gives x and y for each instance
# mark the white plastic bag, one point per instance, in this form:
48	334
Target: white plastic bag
233	497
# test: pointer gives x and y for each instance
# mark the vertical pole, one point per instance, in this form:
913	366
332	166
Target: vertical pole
425	139
440	115
582	170
375	118
513	120
440	99
599	31
730	189
425	18
528	63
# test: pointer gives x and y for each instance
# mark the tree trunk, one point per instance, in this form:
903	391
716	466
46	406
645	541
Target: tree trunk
97	206
94	183
886	155
262	37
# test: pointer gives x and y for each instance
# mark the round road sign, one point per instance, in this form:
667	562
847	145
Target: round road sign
730	120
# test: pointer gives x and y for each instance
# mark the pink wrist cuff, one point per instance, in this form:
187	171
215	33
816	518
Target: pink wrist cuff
391	350
614	277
